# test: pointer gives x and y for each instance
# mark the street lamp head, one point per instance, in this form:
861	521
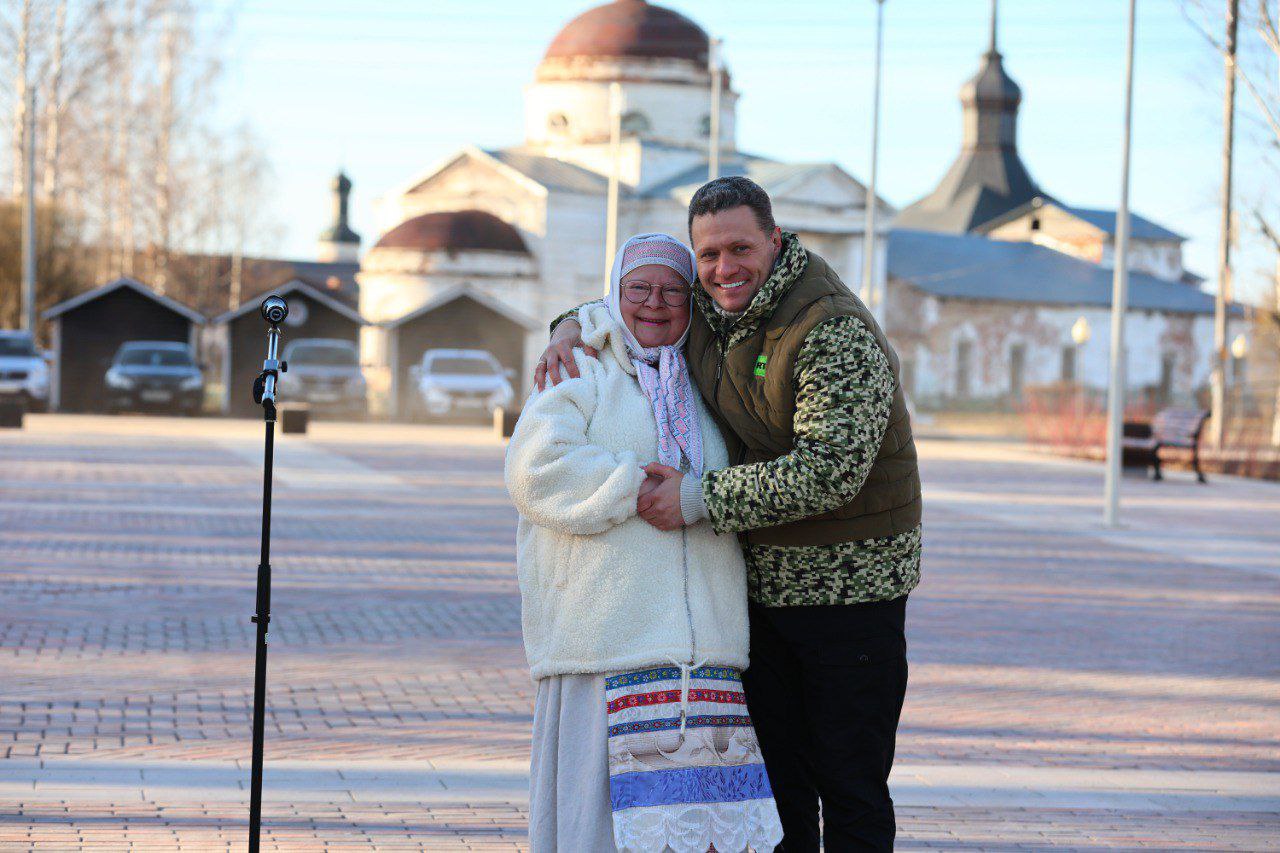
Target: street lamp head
1240	346
1080	332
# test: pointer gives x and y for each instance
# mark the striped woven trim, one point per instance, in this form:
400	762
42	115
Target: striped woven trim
671	673
663	697
668	723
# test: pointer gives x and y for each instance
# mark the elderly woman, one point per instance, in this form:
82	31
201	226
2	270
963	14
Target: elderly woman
636	637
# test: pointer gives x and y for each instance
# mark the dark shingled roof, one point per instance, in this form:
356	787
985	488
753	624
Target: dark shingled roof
127	283
631	28
963	266
1104	220
988	177
454	230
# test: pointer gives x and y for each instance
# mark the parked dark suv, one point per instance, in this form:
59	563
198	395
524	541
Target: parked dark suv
154	376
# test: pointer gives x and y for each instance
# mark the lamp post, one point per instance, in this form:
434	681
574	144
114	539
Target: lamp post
1119	300
611	200
1080	335
713	129
1239	350
1222	300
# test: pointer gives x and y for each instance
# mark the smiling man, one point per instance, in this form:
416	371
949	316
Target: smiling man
824	496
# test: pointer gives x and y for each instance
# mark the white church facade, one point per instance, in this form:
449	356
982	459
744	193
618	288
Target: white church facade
524	227
988	281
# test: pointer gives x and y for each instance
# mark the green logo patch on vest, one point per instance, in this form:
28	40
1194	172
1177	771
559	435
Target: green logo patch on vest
760	365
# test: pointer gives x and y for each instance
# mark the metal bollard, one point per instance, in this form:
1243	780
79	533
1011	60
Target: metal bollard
294	418
504	421
11	415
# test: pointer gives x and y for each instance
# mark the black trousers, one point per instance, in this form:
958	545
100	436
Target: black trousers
825	689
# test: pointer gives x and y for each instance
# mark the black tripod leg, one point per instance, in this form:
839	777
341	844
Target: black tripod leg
262	618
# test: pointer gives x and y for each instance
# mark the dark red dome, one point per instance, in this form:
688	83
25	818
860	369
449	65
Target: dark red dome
631	28
454	230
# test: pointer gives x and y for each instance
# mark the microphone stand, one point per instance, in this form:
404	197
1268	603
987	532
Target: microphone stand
274	310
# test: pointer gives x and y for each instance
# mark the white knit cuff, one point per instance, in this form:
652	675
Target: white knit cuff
692	505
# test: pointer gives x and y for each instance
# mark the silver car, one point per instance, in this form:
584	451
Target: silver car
325	372
24	376
455	381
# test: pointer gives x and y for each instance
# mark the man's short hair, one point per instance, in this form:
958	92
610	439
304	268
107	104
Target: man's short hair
726	193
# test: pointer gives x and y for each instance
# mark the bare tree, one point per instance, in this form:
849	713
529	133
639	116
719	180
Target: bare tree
23	36
53	104
1257	69
130	149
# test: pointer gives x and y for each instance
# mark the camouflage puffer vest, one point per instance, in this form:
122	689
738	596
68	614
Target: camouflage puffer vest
751	387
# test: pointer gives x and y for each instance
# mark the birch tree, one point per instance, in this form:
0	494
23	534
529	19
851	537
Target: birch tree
130	149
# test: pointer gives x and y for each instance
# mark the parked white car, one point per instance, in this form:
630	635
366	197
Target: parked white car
452	381
24	375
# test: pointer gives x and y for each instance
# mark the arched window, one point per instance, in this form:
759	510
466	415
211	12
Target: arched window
635	122
558	122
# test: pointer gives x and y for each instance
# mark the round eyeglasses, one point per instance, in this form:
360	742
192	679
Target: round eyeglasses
637	293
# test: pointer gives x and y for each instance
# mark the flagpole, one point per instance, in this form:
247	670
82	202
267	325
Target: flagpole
1119	301
870	296
611	208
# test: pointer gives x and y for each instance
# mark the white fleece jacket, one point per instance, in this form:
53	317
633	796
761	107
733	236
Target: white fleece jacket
601	590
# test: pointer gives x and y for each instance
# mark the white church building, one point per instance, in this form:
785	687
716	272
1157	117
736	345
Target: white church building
991	285
518	234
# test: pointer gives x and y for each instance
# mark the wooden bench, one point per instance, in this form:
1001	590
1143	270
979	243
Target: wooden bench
1178	428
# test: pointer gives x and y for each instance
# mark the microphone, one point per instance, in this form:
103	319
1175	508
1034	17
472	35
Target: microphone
274	309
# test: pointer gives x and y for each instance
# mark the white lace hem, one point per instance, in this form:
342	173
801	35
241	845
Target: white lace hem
694	827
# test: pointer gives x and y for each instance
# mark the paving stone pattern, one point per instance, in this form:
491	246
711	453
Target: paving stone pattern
1039	643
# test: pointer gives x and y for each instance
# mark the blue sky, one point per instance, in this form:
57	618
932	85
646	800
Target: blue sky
388	88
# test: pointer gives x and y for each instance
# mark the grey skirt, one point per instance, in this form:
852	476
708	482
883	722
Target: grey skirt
569	807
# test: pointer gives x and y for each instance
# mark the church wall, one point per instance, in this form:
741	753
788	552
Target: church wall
847	220
843	252
664	215
1163	259
640	164
930	335
674	113
598	157
661	163
572	258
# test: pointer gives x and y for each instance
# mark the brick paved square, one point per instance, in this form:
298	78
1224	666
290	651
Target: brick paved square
1071	687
